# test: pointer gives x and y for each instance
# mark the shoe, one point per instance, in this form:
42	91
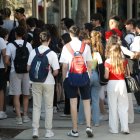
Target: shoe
89	132
73	134
104	117
125	132
19	120
26	119
35	133
49	133
54	109
3	115
65	115
96	125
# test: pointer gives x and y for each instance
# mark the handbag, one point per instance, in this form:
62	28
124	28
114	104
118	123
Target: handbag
131	83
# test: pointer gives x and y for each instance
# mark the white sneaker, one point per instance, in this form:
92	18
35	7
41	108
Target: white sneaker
54	109
89	132
19	120
3	115
104	117
35	133
26	119
73	134
49	133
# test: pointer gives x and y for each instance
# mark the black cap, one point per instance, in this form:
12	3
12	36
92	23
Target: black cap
20	10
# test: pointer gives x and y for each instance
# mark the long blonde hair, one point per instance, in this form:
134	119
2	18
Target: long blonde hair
116	59
112	40
96	42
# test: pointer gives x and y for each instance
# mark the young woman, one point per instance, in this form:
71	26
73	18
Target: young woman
115	66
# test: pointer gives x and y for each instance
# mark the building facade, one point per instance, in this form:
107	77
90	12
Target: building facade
51	11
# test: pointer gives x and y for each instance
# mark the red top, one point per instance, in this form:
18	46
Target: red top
114	76
108	34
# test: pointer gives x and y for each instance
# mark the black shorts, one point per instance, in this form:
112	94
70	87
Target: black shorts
72	92
2	79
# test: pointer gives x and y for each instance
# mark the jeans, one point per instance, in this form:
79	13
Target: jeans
95	90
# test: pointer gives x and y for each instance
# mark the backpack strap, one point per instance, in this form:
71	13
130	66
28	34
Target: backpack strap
38	53
82	47
17	45
70	49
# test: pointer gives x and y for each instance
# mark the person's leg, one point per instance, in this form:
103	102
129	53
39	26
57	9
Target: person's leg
95	88
112	104
48	94
81	115
25	104
17	105
130	109
123	107
85	95
1	99
87	110
37	99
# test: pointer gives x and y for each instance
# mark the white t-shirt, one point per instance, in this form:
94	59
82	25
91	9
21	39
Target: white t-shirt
2	47
135	46
11	51
66	56
53	61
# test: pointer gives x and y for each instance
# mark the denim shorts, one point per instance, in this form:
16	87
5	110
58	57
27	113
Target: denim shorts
72	91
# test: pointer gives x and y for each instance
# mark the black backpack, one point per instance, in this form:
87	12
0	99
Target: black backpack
39	67
21	57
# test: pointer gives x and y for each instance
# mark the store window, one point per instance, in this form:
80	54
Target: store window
52	11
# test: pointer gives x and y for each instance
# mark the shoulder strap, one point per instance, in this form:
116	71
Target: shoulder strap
38	53
24	43
70	49
82	47
15	44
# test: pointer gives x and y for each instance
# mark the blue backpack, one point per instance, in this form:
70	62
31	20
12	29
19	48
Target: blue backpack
39	67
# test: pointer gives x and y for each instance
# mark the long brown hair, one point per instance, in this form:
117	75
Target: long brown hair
116	58
96	42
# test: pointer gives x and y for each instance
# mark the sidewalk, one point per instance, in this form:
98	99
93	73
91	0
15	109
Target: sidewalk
61	125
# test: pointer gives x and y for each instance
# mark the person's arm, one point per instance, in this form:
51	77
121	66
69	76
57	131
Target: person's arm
127	52
106	73
64	70
3	53
89	66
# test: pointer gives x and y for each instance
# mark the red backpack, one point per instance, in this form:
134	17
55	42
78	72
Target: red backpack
78	75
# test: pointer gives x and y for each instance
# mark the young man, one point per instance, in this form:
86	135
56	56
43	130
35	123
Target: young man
44	89
19	82
71	91
131	31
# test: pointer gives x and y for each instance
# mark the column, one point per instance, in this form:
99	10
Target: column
63	11
35	8
129	9
45	11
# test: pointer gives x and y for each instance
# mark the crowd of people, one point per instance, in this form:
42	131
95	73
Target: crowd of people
107	54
